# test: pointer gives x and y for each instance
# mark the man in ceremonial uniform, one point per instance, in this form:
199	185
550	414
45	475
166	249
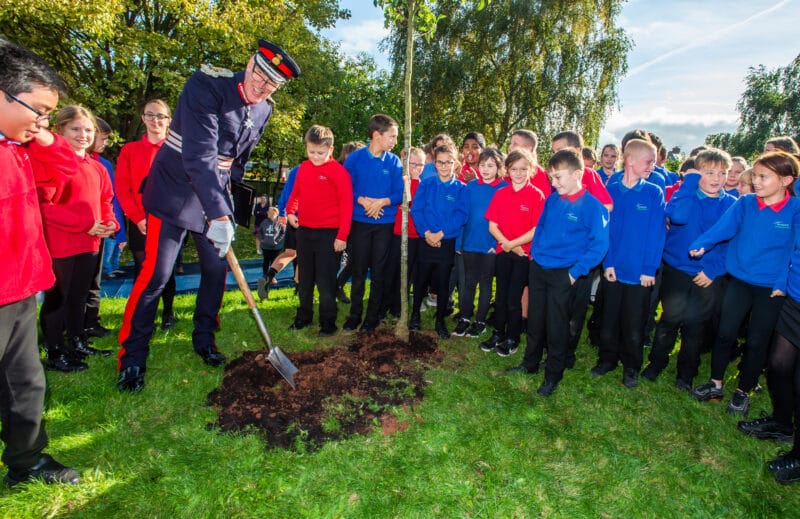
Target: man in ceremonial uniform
219	119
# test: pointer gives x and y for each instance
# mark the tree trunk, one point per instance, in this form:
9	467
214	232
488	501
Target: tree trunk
401	329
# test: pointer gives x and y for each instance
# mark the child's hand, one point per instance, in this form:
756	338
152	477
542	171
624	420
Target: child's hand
571	279
142	226
610	275
702	280
292	220
339	245
696	253
519	251
777	293
647	281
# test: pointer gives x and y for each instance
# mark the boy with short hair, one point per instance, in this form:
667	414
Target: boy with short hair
590	180
691	287
636	235
30	93
571	239
377	179
323	197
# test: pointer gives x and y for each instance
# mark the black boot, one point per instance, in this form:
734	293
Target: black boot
441	329
415	323
59	360
81	346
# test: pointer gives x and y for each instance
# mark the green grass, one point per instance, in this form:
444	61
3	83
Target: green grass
480	444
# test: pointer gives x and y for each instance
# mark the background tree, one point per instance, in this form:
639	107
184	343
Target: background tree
118	54
547	66
769	106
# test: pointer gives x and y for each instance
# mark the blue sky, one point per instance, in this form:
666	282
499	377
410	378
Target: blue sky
687	67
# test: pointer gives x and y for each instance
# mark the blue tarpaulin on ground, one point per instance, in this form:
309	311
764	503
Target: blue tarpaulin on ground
189	280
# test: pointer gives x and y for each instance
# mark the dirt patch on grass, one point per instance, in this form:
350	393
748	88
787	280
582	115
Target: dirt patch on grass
340	391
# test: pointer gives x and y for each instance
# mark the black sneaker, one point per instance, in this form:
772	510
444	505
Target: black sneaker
506	348
767	428
547	387
708	391
461	327
601	368
521	369
476	329
263	288
46	469
630	377
651	373
786	469
351	324
489	344
739	403
779	461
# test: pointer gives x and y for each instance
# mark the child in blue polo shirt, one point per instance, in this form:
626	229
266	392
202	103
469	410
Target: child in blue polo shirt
571	239
760	230
477	249
691	287
440	210
636	236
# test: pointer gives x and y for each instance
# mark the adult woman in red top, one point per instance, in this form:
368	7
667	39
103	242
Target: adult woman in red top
76	215
133	165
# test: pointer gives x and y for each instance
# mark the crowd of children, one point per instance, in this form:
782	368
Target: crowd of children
715	245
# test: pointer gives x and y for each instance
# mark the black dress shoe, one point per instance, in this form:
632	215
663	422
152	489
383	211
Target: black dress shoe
351	324
212	357
46	469
57	360
81	346
368	326
298	325
98	331
521	369
131	379
168	321
327	331
547	387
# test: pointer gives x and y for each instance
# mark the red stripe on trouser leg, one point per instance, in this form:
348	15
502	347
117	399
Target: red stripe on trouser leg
141	282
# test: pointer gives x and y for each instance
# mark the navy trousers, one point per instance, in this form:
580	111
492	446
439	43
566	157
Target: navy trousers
163	244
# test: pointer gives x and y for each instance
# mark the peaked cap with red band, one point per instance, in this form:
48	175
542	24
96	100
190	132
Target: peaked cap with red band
275	63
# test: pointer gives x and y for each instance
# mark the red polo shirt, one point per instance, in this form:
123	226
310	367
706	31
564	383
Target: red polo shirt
133	165
516	212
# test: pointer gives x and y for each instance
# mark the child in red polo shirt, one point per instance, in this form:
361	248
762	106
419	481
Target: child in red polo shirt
76	215
323	197
513	214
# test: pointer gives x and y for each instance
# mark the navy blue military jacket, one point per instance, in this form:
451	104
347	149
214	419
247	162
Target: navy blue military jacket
210	139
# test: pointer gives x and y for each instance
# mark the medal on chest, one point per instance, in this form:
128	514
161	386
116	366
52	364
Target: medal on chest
248	122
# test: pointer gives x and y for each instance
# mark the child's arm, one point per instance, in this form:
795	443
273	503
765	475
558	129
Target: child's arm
679	208
656	235
597	246
726	228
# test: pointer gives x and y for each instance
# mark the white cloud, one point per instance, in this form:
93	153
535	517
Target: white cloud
362	36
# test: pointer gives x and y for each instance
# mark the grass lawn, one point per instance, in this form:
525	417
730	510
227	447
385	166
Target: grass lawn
480	444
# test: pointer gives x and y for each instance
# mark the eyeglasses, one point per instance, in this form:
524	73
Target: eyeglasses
442	163
153	117
261	78
415	165
40	116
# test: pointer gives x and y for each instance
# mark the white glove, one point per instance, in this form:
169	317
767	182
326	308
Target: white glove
221	233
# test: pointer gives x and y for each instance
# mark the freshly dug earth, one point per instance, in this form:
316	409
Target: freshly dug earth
340	391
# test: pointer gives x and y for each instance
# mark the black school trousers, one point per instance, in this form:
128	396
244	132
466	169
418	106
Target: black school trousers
552	302
369	246
433	269
478	273
625	311
317	264
64	307
512	277
22	386
686	306
740	298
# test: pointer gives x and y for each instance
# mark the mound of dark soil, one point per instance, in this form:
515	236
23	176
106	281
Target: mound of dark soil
340	391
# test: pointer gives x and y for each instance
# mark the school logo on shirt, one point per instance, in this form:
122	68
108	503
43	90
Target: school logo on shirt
450	198
323	177
385	171
524	208
572	217
641	207
781	226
